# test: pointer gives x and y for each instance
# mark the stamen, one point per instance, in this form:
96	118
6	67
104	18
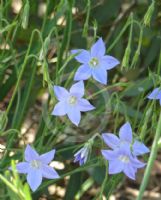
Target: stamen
72	100
35	164
94	62
124	159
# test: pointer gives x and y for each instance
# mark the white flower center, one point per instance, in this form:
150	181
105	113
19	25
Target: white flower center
94	62
36	164
124	159
72	100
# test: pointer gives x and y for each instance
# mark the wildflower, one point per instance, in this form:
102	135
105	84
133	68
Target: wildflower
156	94
125	139
71	103
123	157
94	63
36	167
82	155
121	160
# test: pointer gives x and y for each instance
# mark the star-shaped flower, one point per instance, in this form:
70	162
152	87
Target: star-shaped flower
156	94
71	103
94	63
121	160
36	167
123	157
125	138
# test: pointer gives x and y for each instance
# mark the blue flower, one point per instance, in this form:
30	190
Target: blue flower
94	63
121	160
82	155
125	139
123	157
36	167
156	94
71	103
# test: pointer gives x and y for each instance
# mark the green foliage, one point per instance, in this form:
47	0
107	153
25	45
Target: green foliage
35	55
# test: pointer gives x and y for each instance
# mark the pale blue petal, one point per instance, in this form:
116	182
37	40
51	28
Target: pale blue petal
78	152
130	171
109	155
125	149
60	109
111	140
83	73
34	178
30	154
115	166
61	93
85	158
125	132
46	158
84	152
49	172
139	148
137	163
100	75
22	167
81	162
84	105
77	158
77	89
108	62
156	94
98	49
83	56
74	115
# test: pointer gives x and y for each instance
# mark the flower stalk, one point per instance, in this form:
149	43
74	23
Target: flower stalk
152	158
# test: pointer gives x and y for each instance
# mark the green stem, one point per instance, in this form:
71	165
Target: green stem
45	17
66	38
104	182
106	88
70	173
12	187
121	33
22	70
151	161
19	115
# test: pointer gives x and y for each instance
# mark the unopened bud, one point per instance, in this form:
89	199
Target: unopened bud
3	120
135	58
126	58
25	15
149	13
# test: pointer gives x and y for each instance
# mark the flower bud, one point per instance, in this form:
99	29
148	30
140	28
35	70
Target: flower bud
25	15
3	120
126	58
149	13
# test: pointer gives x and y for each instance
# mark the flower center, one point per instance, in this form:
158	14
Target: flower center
94	62
35	164
72	100
124	159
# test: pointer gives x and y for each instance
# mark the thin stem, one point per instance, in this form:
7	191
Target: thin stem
106	88
22	70
70	173
105	180
151	161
